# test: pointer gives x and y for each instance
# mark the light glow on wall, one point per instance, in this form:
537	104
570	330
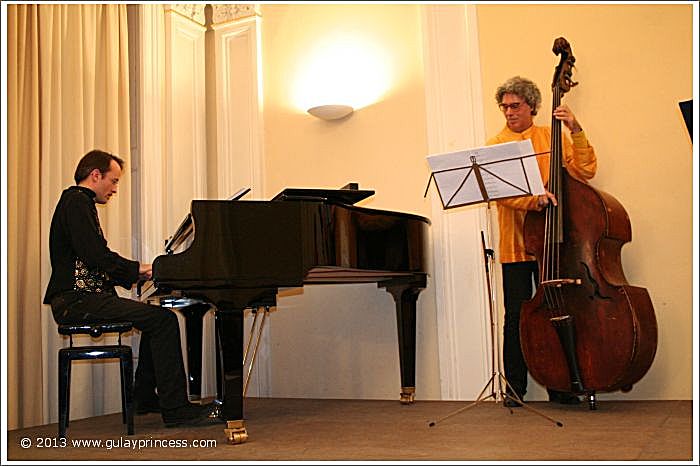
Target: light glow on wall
345	70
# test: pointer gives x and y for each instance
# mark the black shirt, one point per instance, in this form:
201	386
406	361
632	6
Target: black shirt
80	258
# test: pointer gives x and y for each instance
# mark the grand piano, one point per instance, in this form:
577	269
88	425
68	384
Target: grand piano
239	253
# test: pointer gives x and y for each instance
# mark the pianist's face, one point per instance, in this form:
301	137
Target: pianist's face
106	184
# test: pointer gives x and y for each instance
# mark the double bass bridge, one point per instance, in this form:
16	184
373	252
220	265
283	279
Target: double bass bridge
559	282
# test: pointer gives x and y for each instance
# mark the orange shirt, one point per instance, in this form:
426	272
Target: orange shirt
580	161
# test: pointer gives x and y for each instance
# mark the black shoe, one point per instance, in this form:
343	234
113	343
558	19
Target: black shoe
564	398
190	415
146	405
511	403
510	400
145	398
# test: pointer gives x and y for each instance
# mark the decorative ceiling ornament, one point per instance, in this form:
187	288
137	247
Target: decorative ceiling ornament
193	11
220	13
226	13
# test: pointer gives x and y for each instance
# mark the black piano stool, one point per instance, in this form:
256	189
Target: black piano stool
73	353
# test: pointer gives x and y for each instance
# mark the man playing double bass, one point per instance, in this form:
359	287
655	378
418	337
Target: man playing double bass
519	99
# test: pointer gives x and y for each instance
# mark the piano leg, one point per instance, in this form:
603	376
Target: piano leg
229	334
405	293
194	316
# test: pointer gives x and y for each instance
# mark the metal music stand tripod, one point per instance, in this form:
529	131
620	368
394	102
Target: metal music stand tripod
501	179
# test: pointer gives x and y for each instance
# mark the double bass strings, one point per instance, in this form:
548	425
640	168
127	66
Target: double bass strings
553	228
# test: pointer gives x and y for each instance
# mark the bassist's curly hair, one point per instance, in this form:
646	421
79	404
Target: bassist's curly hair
523	88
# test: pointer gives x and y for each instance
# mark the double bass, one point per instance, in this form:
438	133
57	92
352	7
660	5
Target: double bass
585	330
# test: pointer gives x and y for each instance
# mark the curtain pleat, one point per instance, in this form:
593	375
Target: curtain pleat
24	296
68	93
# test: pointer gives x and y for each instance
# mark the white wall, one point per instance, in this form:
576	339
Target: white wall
340	341
632	73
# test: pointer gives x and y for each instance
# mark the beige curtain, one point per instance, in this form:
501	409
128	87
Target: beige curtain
68	92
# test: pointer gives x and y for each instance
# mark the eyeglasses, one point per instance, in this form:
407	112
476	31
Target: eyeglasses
513	106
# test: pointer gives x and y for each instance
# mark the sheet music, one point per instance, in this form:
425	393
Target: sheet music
509	169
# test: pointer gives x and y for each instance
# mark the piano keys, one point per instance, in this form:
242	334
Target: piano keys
241	252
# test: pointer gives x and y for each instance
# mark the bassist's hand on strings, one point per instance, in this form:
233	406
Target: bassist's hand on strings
544	199
564	114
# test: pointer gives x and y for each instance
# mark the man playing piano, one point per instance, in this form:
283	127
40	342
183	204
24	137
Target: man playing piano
84	272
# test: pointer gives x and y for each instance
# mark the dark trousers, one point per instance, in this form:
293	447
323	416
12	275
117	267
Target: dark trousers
517	287
160	355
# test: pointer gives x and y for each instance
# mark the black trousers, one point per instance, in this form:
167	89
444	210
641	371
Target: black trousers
160	355
517	287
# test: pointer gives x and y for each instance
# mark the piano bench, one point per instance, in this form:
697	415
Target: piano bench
73	353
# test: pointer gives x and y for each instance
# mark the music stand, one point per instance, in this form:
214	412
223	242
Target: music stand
500	171
485	174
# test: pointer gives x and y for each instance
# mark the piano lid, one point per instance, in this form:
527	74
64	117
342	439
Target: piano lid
348	194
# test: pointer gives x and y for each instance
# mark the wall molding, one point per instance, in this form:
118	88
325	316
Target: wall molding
455	121
235	145
185	97
238	100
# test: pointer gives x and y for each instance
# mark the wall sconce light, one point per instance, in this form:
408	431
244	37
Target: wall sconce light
346	71
330	112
